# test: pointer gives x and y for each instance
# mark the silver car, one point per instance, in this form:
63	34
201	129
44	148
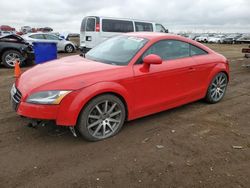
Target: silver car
62	44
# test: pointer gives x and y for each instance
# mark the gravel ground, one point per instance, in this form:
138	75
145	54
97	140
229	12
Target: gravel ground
196	145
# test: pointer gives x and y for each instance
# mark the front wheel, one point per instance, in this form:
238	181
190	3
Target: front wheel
217	88
10	58
102	118
69	48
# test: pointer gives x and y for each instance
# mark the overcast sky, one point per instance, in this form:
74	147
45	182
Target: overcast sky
176	15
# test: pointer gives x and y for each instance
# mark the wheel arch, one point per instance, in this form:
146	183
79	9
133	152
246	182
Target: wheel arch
76	102
118	95
7	49
216	70
69	43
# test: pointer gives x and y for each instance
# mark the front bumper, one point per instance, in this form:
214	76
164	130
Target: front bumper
34	111
63	114
28	54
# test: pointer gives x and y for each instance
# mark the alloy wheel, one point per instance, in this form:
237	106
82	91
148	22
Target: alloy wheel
218	87
104	119
69	48
11	59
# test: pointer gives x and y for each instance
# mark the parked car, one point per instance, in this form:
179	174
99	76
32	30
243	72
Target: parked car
4	33
95	30
192	36
26	29
73	37
243	40
231	39
62	44
13	48
124	78
216	39
6	30
202	38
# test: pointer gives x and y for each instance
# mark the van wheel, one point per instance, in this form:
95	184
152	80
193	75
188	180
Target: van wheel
217	88
69	48
103	117
10	57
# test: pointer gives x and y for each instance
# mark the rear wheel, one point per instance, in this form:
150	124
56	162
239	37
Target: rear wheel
217	88
102	118
10	57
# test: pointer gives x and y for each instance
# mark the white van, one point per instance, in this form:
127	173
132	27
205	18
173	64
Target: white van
96	29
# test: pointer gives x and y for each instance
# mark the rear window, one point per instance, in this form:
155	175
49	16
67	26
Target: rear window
90	24
196	51
143	26
83	25
120	26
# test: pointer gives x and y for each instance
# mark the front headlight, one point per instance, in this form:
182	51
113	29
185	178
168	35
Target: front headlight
47	97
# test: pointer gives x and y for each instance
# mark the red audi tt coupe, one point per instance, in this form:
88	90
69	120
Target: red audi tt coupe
124	78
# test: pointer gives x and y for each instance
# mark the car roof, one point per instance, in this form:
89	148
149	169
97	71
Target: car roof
39	33
152	35
161	36
127	19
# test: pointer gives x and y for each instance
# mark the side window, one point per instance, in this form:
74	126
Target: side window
142	26
169	49
37	36
90	24
160	28
196	51
51	37
120	26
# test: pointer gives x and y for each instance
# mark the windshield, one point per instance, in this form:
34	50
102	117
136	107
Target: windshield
117	51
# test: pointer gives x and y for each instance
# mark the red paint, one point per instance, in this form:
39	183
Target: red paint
146	88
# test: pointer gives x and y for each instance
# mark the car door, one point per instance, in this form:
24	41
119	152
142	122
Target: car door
36	38
55	39
202	66
165	85
91	32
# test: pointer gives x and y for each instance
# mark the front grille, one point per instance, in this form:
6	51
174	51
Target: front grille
17	96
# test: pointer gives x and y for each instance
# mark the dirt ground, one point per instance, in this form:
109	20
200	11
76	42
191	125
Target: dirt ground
196	145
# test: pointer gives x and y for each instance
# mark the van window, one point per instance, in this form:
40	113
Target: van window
90	24
83	25
142	26
160	28
120	26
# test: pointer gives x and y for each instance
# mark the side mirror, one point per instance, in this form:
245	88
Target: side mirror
61	38
151	59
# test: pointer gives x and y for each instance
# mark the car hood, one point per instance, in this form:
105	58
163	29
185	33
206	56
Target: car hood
69	73
13	39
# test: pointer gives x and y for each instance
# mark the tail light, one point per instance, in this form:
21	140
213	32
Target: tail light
97	27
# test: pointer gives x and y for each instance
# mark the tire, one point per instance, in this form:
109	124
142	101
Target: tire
69	48
101	118
217	88
9	58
